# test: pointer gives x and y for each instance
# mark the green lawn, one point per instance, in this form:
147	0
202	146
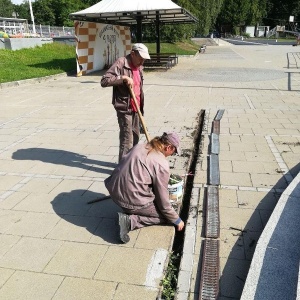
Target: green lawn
48	59
181	48
56	58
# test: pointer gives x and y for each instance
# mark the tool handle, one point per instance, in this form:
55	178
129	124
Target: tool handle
99	199
139	113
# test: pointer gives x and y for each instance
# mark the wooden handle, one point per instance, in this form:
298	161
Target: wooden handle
139	113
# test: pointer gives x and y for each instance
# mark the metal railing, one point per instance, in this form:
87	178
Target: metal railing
23	29
51	31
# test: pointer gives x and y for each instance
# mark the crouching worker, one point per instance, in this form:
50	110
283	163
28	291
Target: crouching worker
139	185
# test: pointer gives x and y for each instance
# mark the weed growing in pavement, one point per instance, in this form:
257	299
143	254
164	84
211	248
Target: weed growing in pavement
169	282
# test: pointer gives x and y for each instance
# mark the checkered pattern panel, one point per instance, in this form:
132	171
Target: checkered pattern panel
86	33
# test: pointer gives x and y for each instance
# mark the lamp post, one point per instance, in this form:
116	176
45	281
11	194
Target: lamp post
32	17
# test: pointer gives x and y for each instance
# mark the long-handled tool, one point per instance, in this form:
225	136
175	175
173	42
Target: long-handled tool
99	199
139	113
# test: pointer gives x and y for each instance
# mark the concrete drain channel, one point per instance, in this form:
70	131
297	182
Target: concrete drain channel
208	281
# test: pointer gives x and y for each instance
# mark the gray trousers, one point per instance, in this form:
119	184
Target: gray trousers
145	216
129	125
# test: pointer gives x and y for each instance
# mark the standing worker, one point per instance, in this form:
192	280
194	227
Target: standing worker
127	71
139	185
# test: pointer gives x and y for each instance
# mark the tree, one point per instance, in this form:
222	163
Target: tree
63	8
279	12
22	11
6	8
236	14
43	12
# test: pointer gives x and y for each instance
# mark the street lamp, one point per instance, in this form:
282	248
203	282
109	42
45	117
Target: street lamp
32	17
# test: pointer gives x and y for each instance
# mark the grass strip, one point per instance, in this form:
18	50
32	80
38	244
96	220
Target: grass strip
55	58
40	61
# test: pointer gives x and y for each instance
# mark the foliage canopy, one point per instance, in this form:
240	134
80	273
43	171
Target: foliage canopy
220	15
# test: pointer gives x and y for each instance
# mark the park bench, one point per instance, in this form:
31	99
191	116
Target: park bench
167	60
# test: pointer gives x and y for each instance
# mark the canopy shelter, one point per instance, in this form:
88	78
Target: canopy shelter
136	12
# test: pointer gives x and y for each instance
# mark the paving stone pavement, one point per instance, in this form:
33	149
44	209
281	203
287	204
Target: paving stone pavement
59	141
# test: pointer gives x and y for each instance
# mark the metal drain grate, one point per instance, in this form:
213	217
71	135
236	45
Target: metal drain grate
209	284
212	212
216	126
219	115
214	170
215	144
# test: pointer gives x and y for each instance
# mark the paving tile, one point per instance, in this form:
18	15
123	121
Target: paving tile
71	170
239	179
225	166
76	259
271	167
6	242
108	233
228	198
29	285
12	200
259	157
248	167
242	147
16	165
135	292
229	138
67	186
242	219
106	208
31	254
72	203
4	276
291	159
163	237
36	202
34	225
41	185
9	218
79	288
243	130
118	262
7	182
43	168
233	274
268	180
74	228
254	199
232	244
232	155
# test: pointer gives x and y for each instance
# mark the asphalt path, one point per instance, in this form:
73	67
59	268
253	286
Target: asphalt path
255	42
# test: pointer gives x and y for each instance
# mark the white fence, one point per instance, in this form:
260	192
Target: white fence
51	31
20	27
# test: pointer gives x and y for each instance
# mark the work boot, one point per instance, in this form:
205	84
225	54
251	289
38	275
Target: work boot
125	226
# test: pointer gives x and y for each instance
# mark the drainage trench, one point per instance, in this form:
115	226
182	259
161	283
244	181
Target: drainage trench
178	243
184	213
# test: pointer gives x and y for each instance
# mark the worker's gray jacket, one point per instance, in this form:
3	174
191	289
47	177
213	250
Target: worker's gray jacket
121	95
141	178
